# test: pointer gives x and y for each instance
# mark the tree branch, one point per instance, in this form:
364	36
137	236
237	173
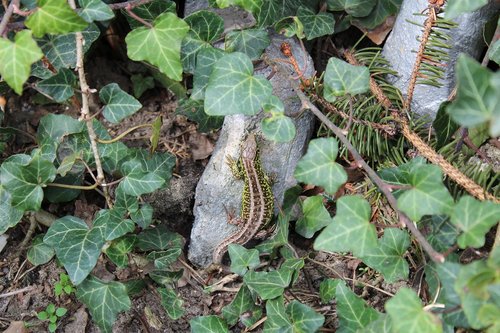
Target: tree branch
6	17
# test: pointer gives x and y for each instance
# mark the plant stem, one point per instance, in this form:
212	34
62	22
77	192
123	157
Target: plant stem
383	187
6	17
124	133
137	17
132	4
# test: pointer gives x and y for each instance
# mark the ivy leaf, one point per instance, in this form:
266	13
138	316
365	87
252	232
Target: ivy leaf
318	165
158	238
356	8
16	59
57	126
54	17
407	314
60	50
160	45
252	42
315	217
206	27
342	78
10	214
277	319
444	126
39	253
119	248
442	234
208	324
242	259
149	12
352	311
241	304
77	246
268	284
387	258
104	300
138	181
289	27
232	88
427	194
304	318
141	84
350	229
205	60
382	325
315	25
327	290
477	99
166	277
171	302
59	86
279	238
24	178
456	7
143	216
194	111
95	10
475	218
119	104
113	224
494	52
272	11
277	127
163	259
382	10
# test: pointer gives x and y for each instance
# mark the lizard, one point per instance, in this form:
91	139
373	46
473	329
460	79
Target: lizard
257	199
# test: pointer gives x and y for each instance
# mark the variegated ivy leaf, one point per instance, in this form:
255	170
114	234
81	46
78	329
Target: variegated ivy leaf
208	324
59	86
242	303
119	104
159	45
206	27
76	246
104	301
342	78
408	315
233	89
352	311
16	59
54	17
474	218
356	8
95	10
118	251
315	25
23	177
318	165
350	229
252	42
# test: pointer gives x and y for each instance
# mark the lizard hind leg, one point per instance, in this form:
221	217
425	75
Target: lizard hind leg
235	167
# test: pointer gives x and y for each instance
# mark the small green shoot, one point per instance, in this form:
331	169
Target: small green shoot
64	285
51	314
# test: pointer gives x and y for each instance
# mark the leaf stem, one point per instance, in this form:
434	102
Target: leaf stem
123	134
132	4
383	186
74	187
136	17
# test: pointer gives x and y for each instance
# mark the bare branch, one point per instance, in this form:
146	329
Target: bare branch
8	14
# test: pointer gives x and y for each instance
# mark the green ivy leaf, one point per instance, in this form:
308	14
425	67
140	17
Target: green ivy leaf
442	234
208	324
407	314
160	164
77	246
149	12
143	216
356	8
279	238
277	319
477	99
304	318
350	229
475	218
140	84
342	78
60	50
315	217
194	111
16	59
138	181
277	127
205	60
59	86
456	7
39	253
163	259
242	259
119	104
426	195
494	52
444	126
382	325
388	257
166	278
113	224
158	238
95	10
160	45
112	155
352	311
206	27
104	300
289	27
252	42
54	17
10	214
327	290
243	303
382	10
315	25
249	5
272	11
24	179
57	126
118	251
268	284
171	302
318	165
232	88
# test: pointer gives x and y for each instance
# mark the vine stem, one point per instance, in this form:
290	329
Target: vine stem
6	17
383	186
85	111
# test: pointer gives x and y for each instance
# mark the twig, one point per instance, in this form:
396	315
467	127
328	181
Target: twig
6	17
15	292
383	186
133	4
85	111
27	237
